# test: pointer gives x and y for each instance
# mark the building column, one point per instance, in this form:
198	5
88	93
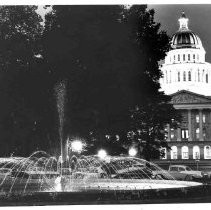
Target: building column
200	125
179	152
201	152
189	125
169	155
168	132
178	134
190	151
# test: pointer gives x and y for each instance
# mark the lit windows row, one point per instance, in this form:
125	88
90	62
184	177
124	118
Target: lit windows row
185	153
185	134
185	57
186	76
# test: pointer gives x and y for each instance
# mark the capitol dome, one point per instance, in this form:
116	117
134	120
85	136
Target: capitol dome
185	67
185	38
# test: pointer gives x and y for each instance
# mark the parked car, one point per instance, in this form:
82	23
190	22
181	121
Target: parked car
182	172
134	173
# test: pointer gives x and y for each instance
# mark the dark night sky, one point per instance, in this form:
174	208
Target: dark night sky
199	20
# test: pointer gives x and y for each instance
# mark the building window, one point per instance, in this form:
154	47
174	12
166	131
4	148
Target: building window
185	152
184	76
207	152
173	152
197	118
197	133
178	76
178	57
174	58
189	76
189	57
194	57
183	57
196	152
198	76
185	134
206	78
197	57
204	118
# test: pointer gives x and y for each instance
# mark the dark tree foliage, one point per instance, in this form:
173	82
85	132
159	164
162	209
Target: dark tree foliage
109	56
150	117
106	55
20	113
90	48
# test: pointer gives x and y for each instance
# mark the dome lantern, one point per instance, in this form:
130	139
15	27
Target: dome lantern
183	21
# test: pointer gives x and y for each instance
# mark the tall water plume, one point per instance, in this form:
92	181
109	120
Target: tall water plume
60	90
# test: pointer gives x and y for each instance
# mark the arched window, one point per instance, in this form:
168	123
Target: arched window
184	76
178	76
173	152
196	152
207	152
206	78
189	76
185	154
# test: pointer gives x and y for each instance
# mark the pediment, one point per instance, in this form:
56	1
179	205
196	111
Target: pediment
186	97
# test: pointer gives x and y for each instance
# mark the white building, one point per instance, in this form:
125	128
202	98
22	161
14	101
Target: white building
185	67
187	78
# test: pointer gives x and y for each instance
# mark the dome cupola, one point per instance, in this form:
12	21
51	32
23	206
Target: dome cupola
184	37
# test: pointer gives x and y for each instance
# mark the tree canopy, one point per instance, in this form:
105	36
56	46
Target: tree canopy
108	57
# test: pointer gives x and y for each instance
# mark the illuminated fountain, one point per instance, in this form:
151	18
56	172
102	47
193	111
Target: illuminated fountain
42	173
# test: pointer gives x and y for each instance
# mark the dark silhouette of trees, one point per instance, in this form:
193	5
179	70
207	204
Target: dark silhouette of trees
108	57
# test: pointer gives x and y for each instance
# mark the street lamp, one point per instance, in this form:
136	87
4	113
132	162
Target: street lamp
132	151
76	146
102	154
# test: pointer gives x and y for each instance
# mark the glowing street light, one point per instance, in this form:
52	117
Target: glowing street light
132	151
76	146
102	154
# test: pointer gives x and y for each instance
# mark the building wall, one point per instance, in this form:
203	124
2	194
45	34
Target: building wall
196	137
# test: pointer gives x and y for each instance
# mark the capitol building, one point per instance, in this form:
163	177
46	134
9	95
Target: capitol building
187	79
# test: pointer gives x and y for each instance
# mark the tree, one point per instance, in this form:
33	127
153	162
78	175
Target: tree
89	47
20	31
109	55
150	117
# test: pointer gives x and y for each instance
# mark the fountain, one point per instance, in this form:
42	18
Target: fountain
92	177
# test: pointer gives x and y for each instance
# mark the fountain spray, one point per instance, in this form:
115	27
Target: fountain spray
60	90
